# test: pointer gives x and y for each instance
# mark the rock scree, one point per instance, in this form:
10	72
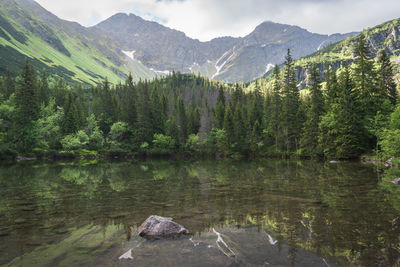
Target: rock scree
156	227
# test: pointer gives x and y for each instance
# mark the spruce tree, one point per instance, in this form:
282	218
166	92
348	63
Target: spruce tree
129	102
276	107
311	133
157	119
144	123
44	92
240	129
70	118
182	119
290	106
229	125
364	77
26	110
219	113
342	129
9	83
331	87
385	77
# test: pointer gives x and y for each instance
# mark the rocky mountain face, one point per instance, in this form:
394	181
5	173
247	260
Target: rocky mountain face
127	43
382	37
227	58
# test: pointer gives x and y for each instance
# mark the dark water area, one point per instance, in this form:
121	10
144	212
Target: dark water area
239	213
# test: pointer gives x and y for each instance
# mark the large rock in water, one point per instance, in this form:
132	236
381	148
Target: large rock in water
396	181
156	227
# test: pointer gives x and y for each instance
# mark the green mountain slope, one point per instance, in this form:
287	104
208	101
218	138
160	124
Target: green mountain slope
384	36
59	47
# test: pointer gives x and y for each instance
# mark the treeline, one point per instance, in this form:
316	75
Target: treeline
350	113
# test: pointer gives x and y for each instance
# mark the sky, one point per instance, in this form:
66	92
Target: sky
207	19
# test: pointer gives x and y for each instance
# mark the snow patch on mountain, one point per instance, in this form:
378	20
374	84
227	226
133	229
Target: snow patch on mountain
320	45
220	66
269	67
161	72
195	64
130	54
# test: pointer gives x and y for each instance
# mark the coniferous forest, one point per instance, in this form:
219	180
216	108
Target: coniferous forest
343	114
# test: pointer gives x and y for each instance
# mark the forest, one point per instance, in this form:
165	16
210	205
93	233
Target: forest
343	114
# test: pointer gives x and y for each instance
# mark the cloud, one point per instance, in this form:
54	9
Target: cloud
207	19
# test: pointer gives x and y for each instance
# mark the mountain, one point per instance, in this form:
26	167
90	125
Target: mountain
127	43
385	36
226	59
60	47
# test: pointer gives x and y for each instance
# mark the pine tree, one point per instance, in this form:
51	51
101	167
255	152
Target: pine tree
9	83
219	113
342	129
276	107
364	77
182	119
331	87
309	141
255	137
291	102
70	118
240	129
229	125
256	107
26	110
144	125
237	95
44	92
129	104
157	112
193	119
385	78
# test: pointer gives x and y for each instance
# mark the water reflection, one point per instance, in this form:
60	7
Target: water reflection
301	213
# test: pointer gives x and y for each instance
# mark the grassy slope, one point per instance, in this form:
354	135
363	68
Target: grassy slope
86	64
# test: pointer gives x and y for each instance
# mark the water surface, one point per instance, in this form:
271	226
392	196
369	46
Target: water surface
240	213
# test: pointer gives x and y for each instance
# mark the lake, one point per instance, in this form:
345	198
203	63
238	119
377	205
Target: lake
239	213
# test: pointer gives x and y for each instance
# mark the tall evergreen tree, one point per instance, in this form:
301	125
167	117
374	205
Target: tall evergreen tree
9	83
70	118
342	129
331	88
291	102
44	92
26	109
129	104
311	133
276	107
157	112
229	125
364	77
385	77
144	126
219	113
182	119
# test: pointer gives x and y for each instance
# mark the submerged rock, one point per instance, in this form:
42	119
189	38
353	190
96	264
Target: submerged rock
156	227
396	181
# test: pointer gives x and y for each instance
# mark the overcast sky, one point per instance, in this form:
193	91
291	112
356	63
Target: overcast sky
207	19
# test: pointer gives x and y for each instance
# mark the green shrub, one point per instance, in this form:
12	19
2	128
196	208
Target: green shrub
390	143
